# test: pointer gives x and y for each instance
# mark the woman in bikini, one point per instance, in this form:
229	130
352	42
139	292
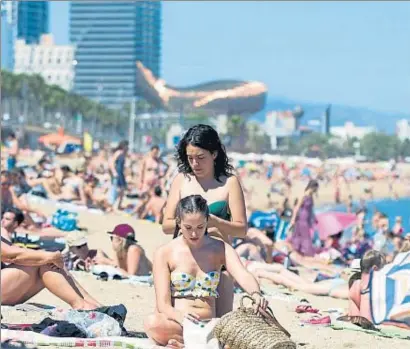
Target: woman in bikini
151	173
204	169
187	272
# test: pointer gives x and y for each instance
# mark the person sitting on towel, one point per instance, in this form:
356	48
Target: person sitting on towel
25	272
359	292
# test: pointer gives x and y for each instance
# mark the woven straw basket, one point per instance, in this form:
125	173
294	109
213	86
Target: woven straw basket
243	329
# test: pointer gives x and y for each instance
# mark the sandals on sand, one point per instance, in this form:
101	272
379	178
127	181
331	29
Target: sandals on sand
300	309
318	321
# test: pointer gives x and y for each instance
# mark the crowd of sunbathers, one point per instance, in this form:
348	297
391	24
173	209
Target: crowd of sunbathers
200	201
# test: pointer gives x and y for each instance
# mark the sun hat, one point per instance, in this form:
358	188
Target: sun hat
124	231
75	239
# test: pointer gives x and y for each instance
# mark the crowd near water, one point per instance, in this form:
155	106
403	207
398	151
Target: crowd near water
330	228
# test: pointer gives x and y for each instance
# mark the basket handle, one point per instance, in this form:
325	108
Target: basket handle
266	314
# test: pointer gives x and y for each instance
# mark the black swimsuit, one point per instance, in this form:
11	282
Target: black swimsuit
7	242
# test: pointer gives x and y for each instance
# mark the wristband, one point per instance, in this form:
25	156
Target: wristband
256	292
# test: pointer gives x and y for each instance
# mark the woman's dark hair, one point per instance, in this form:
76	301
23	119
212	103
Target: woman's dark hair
122	145
204	137
313	184
190	204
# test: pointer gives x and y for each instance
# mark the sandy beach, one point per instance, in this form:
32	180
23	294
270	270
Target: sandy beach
140	300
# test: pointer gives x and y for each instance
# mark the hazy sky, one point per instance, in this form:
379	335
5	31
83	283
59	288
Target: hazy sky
355	53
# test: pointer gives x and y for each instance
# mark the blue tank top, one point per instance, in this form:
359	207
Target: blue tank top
120	164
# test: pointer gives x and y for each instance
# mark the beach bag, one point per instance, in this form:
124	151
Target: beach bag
243	329
65	220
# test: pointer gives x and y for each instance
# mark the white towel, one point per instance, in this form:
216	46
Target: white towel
197	337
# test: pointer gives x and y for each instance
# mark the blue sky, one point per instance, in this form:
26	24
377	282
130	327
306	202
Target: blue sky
354	53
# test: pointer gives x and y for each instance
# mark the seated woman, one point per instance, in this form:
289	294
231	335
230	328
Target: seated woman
25	272
154	208
129	256
95	196
187	272
72	187
359	292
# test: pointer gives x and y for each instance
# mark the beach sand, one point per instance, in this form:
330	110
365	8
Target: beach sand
140	300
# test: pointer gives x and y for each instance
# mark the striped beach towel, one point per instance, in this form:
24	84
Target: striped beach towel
390	291
28	337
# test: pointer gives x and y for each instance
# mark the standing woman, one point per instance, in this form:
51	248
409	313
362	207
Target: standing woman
117	171
204	170
303	220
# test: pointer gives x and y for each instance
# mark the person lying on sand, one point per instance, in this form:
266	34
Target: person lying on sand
253	261
25	272
187	272
129	256
308	262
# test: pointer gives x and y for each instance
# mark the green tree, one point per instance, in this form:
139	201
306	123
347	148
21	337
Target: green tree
198	117
257	141
379	146
236	127
405	148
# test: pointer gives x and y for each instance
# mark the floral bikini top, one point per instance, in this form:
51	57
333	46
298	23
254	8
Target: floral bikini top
184	284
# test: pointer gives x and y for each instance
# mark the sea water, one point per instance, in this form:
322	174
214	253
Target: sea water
390	207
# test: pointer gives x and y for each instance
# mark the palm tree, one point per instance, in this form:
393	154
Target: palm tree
236	130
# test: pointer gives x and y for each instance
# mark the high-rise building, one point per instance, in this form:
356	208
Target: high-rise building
326	121
8	33
403	129
55	63
32	20
110	38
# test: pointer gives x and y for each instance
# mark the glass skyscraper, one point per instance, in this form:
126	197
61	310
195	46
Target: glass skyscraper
32	20
8	33
110	37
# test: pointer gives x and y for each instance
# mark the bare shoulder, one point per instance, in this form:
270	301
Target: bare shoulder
163	251
135	249
179	178
233	181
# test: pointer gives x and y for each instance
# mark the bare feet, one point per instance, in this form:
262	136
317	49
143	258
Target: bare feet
174	344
